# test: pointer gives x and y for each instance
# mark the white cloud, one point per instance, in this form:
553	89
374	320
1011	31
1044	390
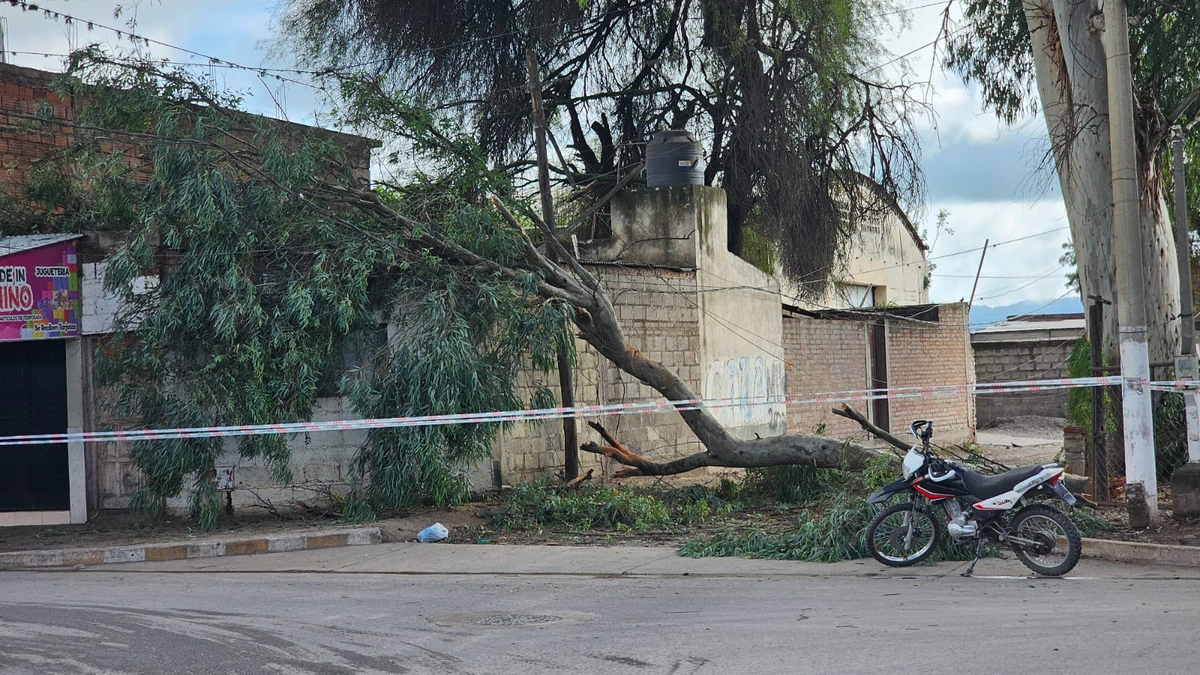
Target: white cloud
232	30
1021	270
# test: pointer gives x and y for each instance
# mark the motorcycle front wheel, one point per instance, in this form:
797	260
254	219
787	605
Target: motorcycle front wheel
903	534
1045	540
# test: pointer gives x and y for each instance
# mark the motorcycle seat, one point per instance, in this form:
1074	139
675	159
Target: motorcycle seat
986	487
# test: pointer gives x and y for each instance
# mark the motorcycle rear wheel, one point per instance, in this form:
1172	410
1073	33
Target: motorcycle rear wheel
1059	542
894	543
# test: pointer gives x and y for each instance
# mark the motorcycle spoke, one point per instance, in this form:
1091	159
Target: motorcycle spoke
1043	540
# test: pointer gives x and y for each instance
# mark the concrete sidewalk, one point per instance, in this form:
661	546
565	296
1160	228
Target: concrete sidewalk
208	548
595	561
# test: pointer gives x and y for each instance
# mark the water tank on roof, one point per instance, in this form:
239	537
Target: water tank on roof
674	158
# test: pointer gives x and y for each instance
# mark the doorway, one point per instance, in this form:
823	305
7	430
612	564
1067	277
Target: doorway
877	349
33	378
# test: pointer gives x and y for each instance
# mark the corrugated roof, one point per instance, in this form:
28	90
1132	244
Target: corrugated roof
28	242
1024	326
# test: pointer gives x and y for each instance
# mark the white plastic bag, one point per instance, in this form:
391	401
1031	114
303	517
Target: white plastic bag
435	532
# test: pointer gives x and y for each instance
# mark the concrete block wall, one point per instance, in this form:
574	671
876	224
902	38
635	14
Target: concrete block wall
658	311
1025	360
318	461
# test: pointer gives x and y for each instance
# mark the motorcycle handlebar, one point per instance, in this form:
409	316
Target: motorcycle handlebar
922	429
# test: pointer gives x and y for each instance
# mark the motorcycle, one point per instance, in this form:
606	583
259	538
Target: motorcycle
987	509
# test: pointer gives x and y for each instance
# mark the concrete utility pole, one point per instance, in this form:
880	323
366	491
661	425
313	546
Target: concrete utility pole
1185	482
978	270
1141	483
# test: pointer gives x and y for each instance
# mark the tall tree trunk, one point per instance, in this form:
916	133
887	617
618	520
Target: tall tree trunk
1072	85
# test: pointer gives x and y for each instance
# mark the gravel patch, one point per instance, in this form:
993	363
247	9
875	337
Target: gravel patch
1029	426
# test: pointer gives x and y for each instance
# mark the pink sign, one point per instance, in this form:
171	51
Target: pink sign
39	293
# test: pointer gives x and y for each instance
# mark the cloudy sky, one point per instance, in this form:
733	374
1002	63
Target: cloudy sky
983	173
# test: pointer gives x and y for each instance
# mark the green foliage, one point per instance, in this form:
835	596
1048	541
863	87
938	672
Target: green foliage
834	534
1079	400
759	251
802	485
264	277
1088	521
536	506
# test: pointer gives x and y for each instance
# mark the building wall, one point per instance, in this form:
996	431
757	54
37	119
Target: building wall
824	356
922	355
658	311
1022	360
885	254
22	93
741	333
831	355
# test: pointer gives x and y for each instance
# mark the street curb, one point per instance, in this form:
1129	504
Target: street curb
1148	554
188	550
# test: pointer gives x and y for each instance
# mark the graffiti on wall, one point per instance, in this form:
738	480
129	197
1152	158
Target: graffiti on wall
756	384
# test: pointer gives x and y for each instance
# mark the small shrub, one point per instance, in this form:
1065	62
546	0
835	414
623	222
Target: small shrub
1088	521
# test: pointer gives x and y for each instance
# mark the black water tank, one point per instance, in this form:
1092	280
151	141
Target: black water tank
674	158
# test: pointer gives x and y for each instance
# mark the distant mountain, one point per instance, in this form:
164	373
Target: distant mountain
983	316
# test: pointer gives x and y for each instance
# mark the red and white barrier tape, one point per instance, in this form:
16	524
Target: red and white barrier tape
638	408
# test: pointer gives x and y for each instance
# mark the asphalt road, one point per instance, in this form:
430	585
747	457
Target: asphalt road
660	615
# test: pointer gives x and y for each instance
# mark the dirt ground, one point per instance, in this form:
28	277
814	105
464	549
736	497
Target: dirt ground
1020	441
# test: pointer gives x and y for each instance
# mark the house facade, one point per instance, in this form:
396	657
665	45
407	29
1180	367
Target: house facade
55	313
883	265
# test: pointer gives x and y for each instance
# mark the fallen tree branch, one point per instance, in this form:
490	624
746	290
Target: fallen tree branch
879	432
578	480
814	451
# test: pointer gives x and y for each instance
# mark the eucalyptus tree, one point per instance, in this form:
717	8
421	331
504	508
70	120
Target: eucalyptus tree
1047	54
785	93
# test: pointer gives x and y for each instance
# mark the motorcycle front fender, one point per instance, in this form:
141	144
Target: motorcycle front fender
888	491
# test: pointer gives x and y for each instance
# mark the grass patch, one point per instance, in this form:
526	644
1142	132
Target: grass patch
1088	521
828	536
541	506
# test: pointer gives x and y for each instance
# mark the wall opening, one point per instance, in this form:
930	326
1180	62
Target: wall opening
34	376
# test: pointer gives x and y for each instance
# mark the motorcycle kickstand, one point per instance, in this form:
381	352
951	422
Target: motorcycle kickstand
978	555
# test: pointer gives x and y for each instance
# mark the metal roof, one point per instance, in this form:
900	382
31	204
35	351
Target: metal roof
1028	329
28	242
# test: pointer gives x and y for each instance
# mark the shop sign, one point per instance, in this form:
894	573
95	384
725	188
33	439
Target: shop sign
39	293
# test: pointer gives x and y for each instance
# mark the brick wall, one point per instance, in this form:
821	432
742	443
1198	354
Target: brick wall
657	310
831	355
23	91
1026	360
821	356
928	355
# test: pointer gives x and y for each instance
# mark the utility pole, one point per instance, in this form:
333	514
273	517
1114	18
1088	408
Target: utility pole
565	376
975	285
1185	482
1141	483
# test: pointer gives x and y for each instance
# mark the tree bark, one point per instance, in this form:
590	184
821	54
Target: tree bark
1072	86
